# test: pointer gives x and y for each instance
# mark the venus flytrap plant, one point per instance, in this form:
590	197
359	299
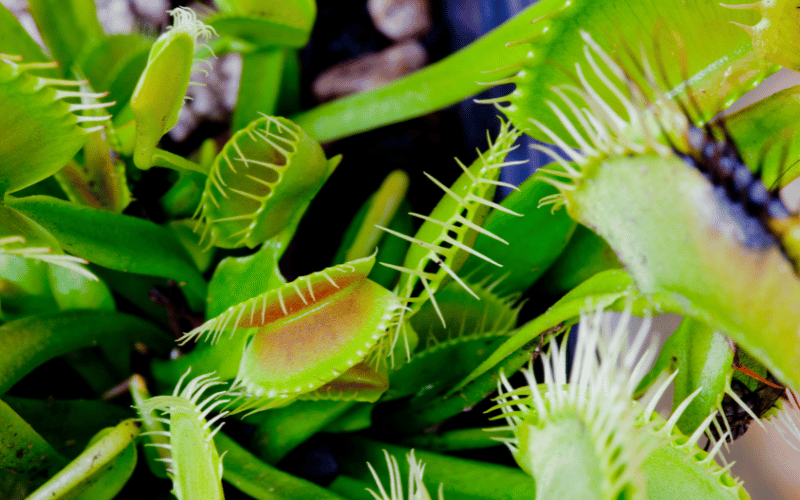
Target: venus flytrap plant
261	183
159	94
444	241
284	356
321	352
48	126
585	416
194	464
653	140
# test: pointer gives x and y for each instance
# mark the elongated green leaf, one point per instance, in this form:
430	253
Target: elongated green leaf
259	480
99	472
259	85
115	241
585	255
439	85
280	431
460	439
266	23
387	208
27	343
600	290
534	241
703	360
66	26
461	478
22	450
68	424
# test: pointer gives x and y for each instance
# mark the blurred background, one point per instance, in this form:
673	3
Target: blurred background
361	44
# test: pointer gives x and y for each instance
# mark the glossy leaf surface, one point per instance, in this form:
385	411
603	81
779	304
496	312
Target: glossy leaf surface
119	242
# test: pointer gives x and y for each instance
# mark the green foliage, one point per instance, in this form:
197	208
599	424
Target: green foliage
412	324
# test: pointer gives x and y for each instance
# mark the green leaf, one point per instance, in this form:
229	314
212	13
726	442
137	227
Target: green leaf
257	479
534	241
72	290
266	23
601	290
100	472
30	342
67	26
461	478
115	241
585	255
259	85
23	452
183	229
703	359
387	208
68	424
281	430
437	86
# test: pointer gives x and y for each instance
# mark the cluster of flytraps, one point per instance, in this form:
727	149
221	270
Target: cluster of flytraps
627	168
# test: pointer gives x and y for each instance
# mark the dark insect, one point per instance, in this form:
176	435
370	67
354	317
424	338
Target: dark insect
759	212
752	205
758	401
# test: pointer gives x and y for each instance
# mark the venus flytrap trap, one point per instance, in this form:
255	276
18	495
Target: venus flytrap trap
650	145
305	334
159	94
193	462
261	183
48	125
585	416
445	239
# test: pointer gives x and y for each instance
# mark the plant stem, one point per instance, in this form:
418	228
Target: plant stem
166	159
462	439
259	86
